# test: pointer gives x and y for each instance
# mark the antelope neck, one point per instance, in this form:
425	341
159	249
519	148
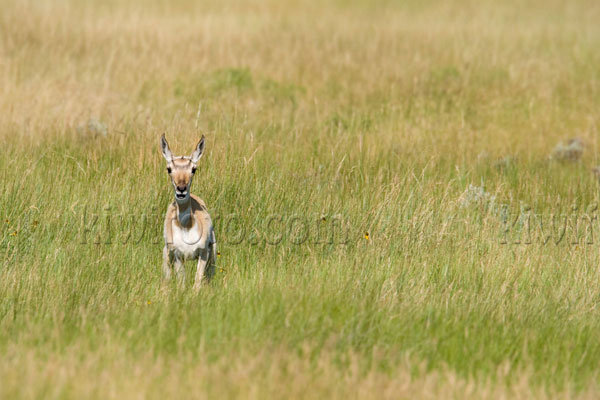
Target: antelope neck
184	211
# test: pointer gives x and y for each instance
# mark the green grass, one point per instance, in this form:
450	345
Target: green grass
349	120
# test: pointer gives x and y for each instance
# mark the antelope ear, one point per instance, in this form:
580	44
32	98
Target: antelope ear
198	151
164	146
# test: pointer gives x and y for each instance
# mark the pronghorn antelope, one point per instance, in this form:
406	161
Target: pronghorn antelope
188	230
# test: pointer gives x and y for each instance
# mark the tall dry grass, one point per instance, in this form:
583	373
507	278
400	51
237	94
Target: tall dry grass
374	115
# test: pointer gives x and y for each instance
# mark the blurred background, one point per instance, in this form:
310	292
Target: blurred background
422	127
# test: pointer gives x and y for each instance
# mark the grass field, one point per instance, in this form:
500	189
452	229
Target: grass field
356	261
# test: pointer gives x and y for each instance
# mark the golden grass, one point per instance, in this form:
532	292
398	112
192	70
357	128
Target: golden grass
382	113
109	373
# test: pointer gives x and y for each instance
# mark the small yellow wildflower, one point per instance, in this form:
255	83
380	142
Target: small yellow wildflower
148	302
366	235
218	254
14	233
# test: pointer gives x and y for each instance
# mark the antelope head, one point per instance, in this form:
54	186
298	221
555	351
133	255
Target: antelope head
181	169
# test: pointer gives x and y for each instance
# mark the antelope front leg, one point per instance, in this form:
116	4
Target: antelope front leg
200	269
166	267
179	271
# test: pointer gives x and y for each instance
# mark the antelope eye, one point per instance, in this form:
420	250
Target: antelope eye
169	169
194	170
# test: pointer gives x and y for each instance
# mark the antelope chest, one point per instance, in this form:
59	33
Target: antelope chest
187	242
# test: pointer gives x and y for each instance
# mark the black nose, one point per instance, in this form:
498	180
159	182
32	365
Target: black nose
181	188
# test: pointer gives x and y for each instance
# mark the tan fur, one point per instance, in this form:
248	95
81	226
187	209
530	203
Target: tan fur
201	218
181	175
188	228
